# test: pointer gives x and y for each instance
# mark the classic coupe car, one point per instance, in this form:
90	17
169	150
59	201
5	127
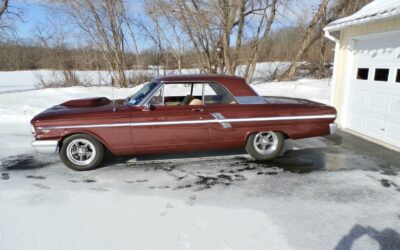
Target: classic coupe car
176	114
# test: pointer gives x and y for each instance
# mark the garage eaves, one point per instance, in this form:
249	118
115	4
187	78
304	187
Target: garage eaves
375	11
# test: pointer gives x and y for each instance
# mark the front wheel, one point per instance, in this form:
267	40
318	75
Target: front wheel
265	145
81	152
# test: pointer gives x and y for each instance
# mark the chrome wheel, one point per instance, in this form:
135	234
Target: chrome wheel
81	152
265	142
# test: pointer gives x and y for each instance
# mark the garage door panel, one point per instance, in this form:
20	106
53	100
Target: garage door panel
378	101
374	126
395	104
356	121
393	134
374	93
360	98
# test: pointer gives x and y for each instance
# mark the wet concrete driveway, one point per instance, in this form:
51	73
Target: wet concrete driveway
342	151
334	192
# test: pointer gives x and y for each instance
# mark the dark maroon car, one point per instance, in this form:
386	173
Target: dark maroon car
176	114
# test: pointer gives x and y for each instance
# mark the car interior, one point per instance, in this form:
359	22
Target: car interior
213	94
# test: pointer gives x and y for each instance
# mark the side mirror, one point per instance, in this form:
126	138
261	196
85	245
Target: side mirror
148	107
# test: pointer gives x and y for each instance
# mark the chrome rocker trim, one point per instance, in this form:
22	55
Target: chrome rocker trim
45	146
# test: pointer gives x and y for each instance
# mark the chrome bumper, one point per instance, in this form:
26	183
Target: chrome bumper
333	128
45	146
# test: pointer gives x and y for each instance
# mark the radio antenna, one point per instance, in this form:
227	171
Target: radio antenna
112	93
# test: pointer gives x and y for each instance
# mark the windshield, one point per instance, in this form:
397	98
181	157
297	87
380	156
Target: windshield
136	98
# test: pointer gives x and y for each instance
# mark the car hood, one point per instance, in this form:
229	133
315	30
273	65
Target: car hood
86	103
70	109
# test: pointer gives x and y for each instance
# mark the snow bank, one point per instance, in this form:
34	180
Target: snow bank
12	81
315	90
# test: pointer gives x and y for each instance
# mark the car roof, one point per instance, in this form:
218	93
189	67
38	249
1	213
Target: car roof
197	77
236	85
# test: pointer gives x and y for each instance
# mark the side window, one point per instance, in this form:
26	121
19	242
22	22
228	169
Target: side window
398	76
173	94
362	73
381	75
216	94
157	99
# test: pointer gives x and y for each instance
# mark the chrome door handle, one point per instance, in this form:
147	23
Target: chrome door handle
198	110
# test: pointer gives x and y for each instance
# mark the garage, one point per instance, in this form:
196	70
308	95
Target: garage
366	81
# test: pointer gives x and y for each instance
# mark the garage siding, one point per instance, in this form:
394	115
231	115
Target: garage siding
345	54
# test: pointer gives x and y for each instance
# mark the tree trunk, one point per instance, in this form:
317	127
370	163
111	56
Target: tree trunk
251	66
308	38
3	7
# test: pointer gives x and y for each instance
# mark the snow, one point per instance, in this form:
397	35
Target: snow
311	89
163	204
17	81
148	223
376	10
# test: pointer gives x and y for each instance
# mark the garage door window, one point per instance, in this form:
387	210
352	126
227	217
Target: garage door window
381	75
362	73
398	75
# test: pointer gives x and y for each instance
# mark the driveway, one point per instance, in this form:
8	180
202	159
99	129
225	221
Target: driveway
333	192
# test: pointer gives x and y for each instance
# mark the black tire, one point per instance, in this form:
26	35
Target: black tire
73	161
257	152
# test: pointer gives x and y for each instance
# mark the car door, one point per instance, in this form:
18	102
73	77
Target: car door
221	105
169	125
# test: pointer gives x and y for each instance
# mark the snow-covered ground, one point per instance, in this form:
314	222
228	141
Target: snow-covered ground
13	81
211	203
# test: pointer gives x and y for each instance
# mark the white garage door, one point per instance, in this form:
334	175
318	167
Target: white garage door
374	108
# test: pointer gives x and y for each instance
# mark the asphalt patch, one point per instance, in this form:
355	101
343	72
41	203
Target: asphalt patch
41	186
24	162
83	181
5	176
35	177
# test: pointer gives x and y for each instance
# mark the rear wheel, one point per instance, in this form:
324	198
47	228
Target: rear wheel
265	145
81	152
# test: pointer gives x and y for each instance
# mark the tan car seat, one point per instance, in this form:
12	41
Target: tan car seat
196	102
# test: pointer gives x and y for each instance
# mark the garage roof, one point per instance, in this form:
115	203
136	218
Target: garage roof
374	11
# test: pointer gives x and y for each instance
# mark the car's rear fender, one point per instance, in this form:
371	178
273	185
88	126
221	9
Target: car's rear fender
294	131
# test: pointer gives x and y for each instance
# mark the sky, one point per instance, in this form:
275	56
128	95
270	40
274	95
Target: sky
32	13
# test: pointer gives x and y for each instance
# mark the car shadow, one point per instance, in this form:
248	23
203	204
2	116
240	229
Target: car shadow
296	161
388	239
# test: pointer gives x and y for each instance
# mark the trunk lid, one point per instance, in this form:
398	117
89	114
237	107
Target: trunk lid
290	100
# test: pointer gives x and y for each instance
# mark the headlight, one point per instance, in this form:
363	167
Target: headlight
33	130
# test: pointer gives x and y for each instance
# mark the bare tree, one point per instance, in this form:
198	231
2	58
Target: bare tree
3	7
103	22
166	24
313	32
261	38
216	29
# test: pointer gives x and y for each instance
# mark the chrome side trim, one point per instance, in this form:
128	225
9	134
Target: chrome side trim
219	116
45	146
217	120
89	126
